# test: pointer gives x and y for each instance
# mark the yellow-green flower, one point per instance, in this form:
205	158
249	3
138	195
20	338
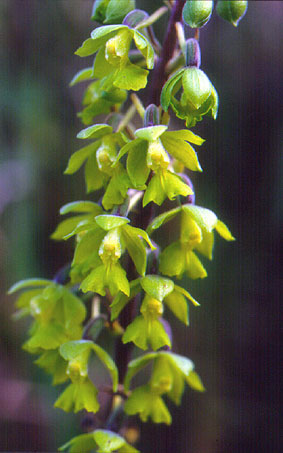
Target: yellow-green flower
150	152
112	64
197	234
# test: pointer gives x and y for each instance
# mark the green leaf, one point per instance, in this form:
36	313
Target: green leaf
182	151
137	168
107	221
81	206
205	218
194	381
131	77
148	405
168	88
186	294
184	134
145	48
96	131
178	305
224	231
30	282
81	76
79	157
156	286
150	133
136	365
78	396
162	219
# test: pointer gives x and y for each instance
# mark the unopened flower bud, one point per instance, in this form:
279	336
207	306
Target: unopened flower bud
232	10
106	11
135	17
192	53
151	116
197	13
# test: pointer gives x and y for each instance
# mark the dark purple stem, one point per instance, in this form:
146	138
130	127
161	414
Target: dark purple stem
144	216
159	74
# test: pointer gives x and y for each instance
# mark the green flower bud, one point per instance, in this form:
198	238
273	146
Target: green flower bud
157	158
151	116
197	87
192	53
232	10
111	11
197	13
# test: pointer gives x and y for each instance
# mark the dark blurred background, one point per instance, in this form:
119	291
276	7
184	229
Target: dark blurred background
234	337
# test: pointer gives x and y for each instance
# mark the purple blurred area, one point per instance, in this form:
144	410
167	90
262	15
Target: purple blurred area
233	338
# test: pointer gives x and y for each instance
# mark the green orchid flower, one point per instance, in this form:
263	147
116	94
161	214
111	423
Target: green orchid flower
169	375
107	271
147	329
197	233
149	152
81	393
98	158
97	101
198	96
54	309
112	64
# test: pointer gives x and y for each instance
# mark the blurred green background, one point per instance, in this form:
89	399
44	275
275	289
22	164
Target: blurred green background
234	337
